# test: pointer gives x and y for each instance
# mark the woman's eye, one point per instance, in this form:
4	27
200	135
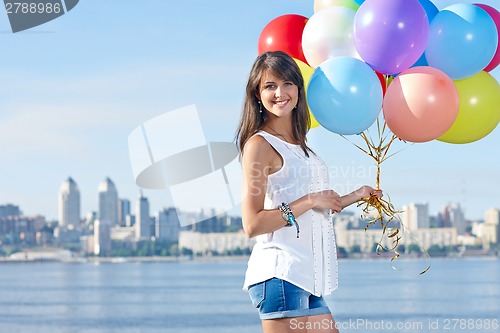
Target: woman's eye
288	83
269	86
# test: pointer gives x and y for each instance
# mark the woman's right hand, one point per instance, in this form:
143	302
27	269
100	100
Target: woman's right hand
327	199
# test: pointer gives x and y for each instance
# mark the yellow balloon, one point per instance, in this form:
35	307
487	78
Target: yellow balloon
307	71
389	80
320	4
479	112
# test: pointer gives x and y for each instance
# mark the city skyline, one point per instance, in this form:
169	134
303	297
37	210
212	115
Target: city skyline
68	110
142	203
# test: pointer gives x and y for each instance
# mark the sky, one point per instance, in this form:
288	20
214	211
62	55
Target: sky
73	89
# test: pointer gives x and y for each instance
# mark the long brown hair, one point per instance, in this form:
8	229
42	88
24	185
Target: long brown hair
284	67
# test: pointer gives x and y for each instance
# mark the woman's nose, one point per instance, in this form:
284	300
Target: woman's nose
277	93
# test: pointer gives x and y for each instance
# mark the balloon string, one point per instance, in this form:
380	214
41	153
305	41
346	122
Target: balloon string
386	214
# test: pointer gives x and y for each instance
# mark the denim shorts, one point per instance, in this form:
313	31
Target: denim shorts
276	298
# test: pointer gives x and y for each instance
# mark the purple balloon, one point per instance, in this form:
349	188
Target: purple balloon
391	35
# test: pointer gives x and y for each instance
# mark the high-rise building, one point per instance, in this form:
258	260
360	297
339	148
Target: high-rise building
23	227
213	223
142	218
415	216
9	210
492	216
491	227
167	225
90	218
69	203
108	202
123	211
130	220
453	216
102	238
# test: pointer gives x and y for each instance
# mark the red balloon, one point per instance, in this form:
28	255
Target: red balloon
382	82
495	15
284	33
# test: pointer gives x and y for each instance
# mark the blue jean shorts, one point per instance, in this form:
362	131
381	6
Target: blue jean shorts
276	298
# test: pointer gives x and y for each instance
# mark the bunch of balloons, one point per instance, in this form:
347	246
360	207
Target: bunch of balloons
426	70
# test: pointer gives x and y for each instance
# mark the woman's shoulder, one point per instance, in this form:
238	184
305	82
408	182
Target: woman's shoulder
257	146
256	143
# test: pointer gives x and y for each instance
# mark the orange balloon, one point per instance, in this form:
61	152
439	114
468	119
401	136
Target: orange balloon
420	104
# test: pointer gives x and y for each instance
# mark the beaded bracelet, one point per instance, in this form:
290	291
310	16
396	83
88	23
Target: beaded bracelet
287	215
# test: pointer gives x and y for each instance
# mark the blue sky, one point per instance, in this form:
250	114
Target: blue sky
72	90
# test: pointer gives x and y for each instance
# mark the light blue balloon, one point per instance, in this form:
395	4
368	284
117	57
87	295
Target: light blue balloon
462	40
359	2
344	95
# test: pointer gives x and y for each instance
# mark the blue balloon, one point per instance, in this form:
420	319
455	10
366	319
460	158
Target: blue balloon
462	40
431	10
344	95
359	2
421	61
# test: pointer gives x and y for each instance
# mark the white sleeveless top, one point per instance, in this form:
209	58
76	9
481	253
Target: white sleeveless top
310	261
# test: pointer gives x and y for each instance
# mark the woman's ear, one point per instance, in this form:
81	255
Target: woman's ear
257	92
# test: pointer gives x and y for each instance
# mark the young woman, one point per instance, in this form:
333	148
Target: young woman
287	202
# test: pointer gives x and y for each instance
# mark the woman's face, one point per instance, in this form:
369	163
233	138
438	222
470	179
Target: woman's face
278	96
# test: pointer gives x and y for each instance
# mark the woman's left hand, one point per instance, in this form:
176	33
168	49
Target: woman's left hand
367	191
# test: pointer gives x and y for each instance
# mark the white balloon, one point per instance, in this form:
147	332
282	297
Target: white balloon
329	33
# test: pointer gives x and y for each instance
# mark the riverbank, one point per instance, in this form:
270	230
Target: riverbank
78	259
225	259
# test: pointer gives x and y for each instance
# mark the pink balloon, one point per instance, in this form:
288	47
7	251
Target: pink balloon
420	104
495	15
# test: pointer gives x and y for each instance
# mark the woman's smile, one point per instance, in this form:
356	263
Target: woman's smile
281	103
278	96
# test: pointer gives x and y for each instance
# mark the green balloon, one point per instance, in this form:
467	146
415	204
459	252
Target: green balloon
320	4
